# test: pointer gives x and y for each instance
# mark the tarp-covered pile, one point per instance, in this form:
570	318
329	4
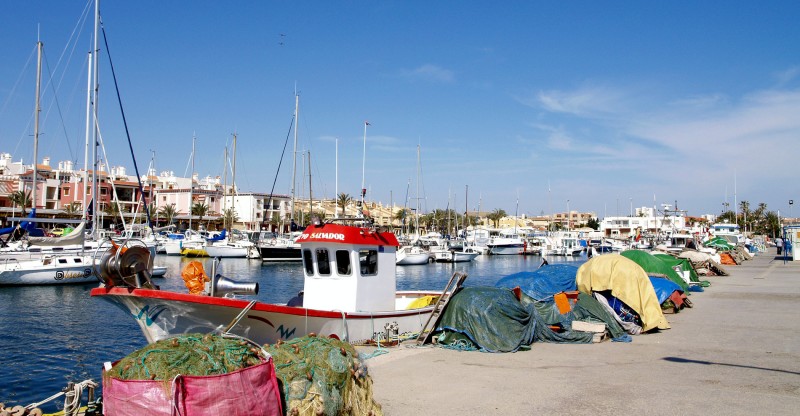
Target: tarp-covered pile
626	281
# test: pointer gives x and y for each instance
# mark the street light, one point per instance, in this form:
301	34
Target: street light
569	217
631	201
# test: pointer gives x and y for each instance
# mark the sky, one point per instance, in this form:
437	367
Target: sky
531	107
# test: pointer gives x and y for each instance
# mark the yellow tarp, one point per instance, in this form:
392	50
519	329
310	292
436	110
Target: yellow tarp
422	302
628	282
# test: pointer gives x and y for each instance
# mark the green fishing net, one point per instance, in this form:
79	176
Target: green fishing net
190	354
320	375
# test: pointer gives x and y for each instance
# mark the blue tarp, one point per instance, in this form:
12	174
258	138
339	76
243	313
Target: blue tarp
664	288
543	283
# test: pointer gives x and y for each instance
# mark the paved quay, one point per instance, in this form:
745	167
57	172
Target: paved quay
736	352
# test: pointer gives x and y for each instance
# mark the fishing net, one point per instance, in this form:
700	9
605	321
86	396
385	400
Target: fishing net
193	374
322	376
190	354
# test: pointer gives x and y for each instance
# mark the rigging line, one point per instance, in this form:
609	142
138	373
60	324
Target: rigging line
127	132
58	108
280	162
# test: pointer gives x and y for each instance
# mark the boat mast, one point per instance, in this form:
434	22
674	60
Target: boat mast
37	110
95	97
233	174
364	164
294	151
191	184
85	184
310	195
225	188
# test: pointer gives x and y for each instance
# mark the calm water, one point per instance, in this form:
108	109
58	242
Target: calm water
55	334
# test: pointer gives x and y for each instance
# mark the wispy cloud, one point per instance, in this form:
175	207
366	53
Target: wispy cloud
786	76
430	73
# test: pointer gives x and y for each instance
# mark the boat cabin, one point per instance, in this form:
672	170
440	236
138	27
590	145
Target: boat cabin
348	268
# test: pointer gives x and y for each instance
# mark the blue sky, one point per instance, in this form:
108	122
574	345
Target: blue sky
602	104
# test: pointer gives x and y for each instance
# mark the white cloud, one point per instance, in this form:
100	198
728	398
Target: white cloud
430	73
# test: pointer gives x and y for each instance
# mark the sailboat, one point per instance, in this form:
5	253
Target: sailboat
275	247
414	254
49	268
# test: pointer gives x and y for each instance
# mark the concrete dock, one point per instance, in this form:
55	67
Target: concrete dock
737	351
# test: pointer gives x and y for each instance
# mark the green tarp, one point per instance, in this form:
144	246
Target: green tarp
683	264
653	265
493	320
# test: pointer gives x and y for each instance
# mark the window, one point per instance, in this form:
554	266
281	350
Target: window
368	260
164	198
66	191
343	266
308	262
323	262
103	191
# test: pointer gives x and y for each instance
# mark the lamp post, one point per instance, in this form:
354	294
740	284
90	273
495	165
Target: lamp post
569	217
791	202
631	201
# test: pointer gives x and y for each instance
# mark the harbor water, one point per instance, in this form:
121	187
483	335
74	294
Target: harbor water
52	335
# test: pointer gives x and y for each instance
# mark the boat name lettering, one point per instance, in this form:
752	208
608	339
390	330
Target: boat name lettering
323	236
61	275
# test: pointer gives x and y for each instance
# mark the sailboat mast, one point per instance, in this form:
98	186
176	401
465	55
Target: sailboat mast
191	184
86	147
95	97
417	212
225	188
310	195
39	46
233	174
294	151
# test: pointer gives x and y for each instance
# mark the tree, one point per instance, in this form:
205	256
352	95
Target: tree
343	200
21	199
229	217
72	209
200	210
496	215
168	212
593	223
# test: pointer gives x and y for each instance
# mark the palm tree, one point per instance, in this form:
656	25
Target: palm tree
73	209
229	217
496	215
21	199
200	210
168	212
343	200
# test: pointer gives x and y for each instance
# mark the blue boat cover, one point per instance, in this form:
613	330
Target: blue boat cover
664	288
218	237
28	226
544	282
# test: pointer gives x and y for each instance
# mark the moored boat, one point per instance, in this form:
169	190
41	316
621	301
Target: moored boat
349	293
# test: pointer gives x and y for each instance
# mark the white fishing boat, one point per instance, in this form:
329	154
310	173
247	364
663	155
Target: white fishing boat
349	293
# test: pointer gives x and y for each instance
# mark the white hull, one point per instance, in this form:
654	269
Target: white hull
413	259
162	314
226	251
456	256
49	271
505	249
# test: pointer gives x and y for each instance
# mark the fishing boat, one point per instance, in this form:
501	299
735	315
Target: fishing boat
349	293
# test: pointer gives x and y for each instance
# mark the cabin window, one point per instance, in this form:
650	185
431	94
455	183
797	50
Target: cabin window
369	262
343	262
323	262
308	262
